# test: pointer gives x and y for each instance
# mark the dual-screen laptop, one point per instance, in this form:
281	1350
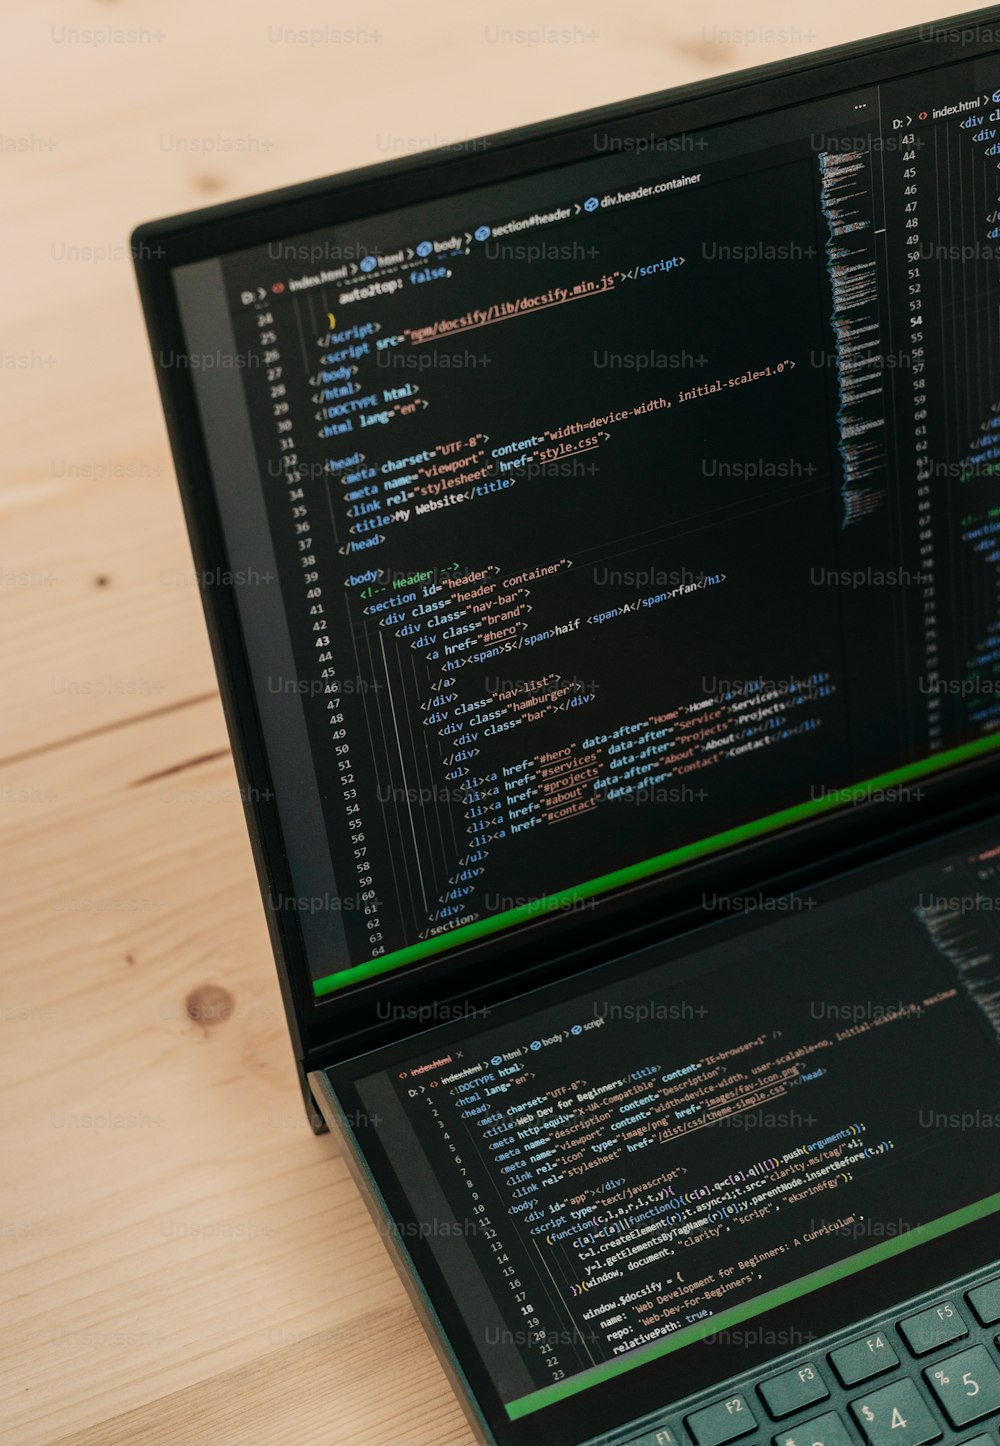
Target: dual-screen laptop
599	532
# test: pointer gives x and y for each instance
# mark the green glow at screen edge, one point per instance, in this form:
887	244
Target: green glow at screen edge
566	898
781	1295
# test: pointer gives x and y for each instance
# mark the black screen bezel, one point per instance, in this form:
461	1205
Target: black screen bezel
343	1022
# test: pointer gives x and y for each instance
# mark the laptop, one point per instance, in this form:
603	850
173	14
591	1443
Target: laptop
599	535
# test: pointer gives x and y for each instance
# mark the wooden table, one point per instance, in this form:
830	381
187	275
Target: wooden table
183	1261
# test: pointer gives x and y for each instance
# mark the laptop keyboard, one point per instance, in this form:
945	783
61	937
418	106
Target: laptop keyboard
924	1377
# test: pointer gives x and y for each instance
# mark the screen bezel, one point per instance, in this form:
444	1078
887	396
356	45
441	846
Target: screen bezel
344	1021
658	1384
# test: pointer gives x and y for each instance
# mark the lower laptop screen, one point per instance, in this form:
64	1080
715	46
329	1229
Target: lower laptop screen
631	1171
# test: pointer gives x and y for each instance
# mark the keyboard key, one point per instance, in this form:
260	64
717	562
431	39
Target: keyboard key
793	1391
725	1421
658	1436
938	1326
981	1440
825	1430
863	1359
985	1301
896	1416
967	1385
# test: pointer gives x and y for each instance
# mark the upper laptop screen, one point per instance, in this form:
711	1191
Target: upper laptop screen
590	522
